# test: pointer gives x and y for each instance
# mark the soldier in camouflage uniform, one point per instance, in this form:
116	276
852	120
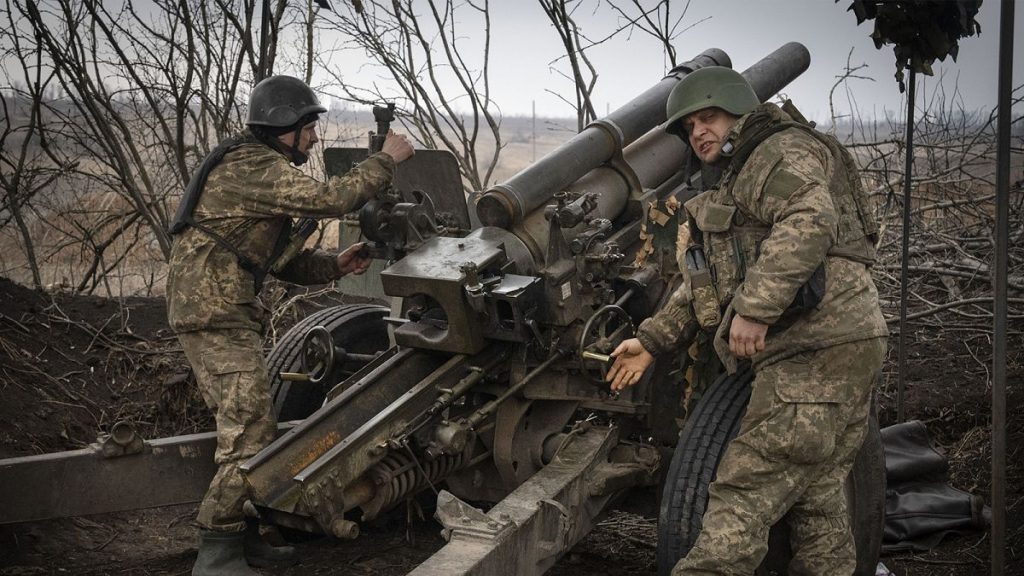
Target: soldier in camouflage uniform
230	231
778	268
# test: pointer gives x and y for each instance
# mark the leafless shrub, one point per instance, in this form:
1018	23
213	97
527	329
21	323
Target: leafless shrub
445	94
952	246
145	90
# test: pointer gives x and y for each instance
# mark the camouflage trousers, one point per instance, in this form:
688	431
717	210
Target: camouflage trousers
232	377
798	439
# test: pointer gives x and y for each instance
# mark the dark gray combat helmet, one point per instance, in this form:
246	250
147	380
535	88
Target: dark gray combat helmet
711	86
282	101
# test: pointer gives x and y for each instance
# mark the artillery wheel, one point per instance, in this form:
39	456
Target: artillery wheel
714	422
359	328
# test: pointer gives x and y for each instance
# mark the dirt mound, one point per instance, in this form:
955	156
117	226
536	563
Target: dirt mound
71	366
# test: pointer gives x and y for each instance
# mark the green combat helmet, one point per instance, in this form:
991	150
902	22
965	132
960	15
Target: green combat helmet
716	86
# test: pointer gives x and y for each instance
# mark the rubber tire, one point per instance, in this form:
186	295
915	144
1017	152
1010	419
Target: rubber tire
715	421
358	328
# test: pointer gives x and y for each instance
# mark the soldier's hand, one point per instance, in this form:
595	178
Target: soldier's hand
631	361
746	337
351	262
397	146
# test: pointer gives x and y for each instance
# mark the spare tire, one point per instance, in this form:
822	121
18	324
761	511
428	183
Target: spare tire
712	424
358	328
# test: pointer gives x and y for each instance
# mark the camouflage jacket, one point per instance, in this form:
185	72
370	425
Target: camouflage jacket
765	229
249	198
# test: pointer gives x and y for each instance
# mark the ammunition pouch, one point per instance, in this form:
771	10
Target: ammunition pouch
704	297
728	250
717	271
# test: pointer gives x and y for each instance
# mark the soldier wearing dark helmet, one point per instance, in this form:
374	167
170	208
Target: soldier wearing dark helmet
230	231
784	243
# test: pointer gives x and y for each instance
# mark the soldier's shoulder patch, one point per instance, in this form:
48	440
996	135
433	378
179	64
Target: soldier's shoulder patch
783	181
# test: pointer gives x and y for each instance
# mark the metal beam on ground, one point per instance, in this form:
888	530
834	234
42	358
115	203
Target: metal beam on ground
540	520
168	471
107	477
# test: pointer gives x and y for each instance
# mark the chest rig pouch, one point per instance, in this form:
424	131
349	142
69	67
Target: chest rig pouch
724	245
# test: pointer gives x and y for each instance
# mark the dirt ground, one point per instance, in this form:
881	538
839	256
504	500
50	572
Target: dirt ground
70	367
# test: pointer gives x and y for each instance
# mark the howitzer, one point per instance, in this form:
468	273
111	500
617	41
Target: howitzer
484	379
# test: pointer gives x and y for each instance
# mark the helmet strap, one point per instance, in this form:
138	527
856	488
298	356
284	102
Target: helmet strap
297	157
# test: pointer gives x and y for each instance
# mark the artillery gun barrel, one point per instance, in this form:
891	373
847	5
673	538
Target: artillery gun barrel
509	202
658	155
775	71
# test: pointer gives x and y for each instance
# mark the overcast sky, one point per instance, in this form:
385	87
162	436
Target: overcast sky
524	43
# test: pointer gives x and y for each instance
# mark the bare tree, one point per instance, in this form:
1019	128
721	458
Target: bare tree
657	20
94	58
953	188
843	80
445	94
25	169
147	91
581	73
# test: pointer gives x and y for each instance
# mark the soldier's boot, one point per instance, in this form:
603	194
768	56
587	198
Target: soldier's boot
261	553
222	554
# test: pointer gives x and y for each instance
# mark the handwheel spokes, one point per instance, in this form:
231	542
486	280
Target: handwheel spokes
318	354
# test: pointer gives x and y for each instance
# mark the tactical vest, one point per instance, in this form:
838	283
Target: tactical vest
183	217
726	241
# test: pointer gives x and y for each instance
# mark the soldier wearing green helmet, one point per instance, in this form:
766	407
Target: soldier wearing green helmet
711	87
230	231
788	237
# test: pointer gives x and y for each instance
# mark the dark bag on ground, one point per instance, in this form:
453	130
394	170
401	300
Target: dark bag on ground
921	508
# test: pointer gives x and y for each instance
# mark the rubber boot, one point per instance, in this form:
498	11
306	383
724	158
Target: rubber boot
263	554
221	554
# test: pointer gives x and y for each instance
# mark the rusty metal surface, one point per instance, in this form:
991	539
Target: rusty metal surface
316	471
271	471
323	483
388	421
